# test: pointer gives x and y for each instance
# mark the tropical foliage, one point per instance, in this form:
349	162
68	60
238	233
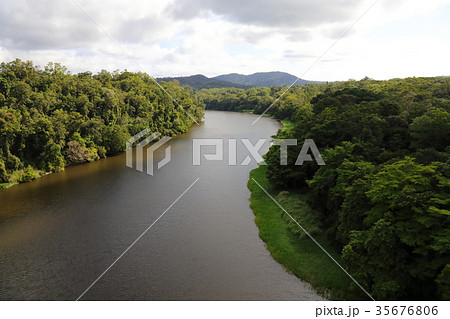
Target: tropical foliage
383	197
50	118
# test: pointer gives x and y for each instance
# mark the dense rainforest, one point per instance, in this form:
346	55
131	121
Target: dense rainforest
383	197
50	118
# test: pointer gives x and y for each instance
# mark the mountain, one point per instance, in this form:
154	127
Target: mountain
200	81
266	79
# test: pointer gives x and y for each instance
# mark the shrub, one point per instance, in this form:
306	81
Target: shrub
76	153
27	175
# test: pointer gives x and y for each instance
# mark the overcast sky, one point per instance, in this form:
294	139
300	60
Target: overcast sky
395	38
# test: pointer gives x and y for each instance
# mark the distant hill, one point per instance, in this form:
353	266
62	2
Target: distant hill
266	79
200	81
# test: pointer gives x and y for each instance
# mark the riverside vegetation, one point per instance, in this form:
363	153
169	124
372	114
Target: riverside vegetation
50	118
380	205
381	202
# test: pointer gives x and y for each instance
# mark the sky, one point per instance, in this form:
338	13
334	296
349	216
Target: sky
323	40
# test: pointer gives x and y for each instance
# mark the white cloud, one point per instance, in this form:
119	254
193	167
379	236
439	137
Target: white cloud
281	13
213	37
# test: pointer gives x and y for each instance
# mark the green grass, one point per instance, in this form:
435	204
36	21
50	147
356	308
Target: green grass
291	247
287	126
6	185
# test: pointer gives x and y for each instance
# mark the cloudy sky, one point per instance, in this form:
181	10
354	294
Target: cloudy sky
395	38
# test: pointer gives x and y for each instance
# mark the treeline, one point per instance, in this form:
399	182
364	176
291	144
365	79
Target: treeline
50	118
383	197
384	194
258	99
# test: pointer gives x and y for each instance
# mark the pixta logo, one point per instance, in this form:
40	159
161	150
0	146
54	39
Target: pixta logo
150	150
143	138
253	149
303	156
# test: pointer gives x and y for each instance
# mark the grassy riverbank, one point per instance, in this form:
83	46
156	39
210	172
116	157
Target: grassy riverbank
25	175
6	185
290	246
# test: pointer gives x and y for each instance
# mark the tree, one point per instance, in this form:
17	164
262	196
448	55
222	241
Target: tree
45	114
352	184
76	153
27	175
405	244
443	282
114	138
3	173
53	160
431	130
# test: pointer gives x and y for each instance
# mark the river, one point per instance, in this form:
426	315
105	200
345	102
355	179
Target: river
60	232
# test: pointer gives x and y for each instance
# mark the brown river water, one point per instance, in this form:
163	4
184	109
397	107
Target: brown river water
60	232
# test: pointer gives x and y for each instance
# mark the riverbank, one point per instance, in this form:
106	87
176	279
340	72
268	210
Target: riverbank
290	246
29	174
6	185
205	248
25	175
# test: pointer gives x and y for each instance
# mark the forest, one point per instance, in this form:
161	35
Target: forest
50	119
383	197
